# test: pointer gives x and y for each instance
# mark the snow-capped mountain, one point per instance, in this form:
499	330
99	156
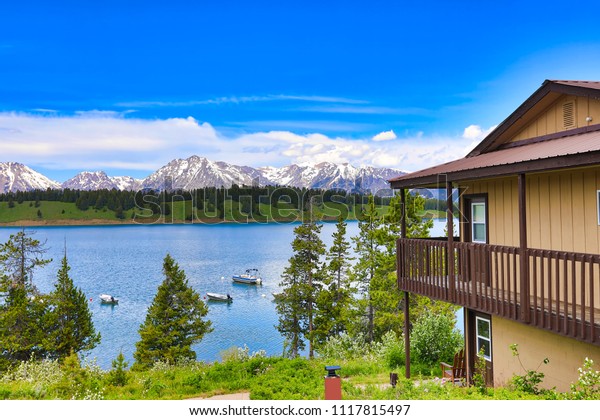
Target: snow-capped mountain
99	180
198	172
327	175
18	177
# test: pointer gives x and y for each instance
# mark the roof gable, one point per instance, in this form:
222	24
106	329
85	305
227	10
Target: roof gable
540	101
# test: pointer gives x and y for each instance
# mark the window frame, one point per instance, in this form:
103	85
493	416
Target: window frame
478	336
484	223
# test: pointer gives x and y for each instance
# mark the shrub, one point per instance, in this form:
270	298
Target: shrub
587	386
39	373
118	375
390	350
529	382
480	374
434	338
345	347
241	354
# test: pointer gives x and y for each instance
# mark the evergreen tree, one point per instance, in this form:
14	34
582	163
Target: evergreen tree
69	326
174	322
367	248
21	305
387	298
336	297
301	283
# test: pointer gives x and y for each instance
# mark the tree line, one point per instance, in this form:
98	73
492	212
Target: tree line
58	325
326	292
209	201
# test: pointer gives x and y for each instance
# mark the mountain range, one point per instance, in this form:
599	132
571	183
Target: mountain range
199	172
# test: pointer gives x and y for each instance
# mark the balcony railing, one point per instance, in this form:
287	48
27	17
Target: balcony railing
560	291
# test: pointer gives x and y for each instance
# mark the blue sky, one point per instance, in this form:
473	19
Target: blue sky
127	86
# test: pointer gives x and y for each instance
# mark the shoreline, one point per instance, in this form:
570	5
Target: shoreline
103	222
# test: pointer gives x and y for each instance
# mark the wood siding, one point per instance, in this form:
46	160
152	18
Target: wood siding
562	210
552	120
503	217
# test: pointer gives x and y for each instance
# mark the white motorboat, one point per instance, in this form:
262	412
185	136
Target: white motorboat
108	299
219	297
251	276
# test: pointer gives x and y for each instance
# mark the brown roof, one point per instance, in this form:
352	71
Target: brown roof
578	83
564	152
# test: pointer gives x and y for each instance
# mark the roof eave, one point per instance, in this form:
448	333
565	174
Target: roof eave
538	165
547	87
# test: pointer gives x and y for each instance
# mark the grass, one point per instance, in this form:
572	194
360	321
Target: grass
265	378
54	212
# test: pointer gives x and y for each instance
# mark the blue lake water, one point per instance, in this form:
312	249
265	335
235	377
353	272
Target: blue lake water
126	261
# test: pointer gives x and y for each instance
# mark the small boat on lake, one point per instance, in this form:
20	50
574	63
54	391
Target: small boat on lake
108	299
251	276
219	297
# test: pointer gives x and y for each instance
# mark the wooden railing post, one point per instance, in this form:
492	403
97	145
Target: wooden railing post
523	254
450	251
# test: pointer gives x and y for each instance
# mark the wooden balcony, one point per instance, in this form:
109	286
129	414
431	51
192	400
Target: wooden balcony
560	291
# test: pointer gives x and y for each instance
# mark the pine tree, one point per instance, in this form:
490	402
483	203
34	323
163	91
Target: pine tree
68	323
367	248
21	304
387	299
336	297
302	281
174	322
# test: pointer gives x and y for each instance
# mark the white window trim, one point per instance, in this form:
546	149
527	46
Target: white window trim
481	203
477	336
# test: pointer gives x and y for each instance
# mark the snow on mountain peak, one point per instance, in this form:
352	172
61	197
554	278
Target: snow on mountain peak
199	172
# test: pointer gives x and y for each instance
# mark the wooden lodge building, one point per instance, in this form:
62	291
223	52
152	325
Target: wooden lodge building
526	264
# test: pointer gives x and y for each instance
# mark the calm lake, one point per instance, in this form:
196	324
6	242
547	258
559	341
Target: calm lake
126	261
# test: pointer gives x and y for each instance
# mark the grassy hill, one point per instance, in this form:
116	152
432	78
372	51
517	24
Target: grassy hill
55	212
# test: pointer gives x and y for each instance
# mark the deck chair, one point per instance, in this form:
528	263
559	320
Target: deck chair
457	372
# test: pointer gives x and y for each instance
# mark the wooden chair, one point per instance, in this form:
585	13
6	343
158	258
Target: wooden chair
457	372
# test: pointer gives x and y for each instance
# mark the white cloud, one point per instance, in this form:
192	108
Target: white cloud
385	136
241	99
92	141
475	134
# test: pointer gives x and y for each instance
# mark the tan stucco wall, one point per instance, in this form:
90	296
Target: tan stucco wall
566	355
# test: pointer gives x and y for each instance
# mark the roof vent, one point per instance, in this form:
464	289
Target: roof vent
569	115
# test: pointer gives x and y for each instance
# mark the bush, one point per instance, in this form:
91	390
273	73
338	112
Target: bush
38	373
390	350
587	386
434	338
118	375
530	382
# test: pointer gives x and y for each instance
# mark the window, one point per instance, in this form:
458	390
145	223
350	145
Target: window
483	334
478	223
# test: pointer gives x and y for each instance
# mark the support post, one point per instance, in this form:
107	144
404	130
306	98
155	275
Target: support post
406	294
407	334
450	252
523	257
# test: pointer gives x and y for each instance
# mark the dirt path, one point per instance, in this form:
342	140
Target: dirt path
238	396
